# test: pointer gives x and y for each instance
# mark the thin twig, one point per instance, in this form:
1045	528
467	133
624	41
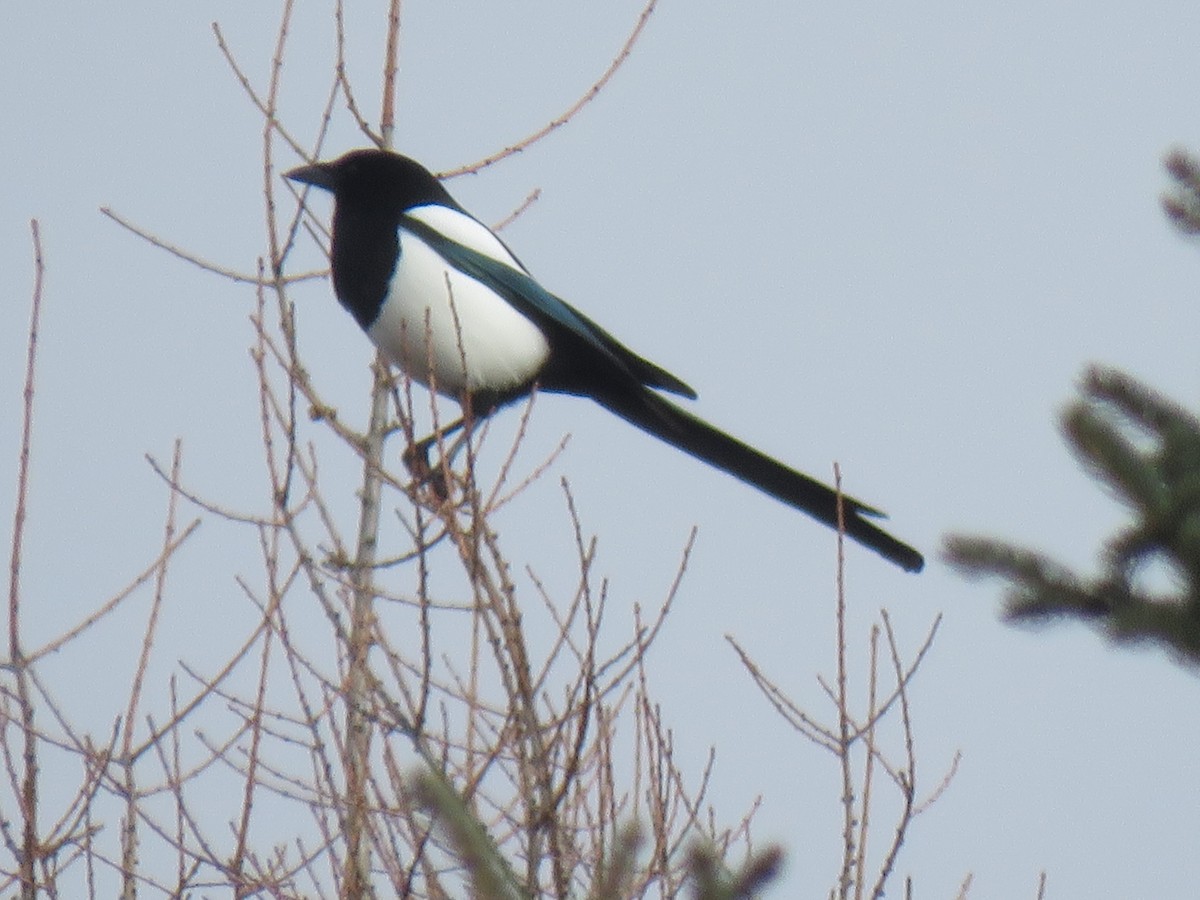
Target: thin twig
266	109
530	199
842	697
27	854
189	257
588	96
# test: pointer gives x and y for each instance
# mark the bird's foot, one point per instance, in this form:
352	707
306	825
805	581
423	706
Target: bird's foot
437	477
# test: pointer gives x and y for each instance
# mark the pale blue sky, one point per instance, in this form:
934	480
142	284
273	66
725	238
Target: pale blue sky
887	234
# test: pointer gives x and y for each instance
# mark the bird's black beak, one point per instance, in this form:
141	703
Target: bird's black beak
318	175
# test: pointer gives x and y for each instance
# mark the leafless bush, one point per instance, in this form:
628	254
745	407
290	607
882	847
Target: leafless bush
442	730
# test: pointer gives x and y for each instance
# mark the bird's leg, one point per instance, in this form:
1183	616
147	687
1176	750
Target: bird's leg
416	457
475	408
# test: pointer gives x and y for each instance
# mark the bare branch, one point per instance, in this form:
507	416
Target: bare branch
588	96
187	256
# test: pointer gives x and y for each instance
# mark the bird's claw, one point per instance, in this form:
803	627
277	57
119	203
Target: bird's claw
416	460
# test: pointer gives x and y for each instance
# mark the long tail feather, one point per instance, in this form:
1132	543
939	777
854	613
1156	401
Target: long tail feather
696	437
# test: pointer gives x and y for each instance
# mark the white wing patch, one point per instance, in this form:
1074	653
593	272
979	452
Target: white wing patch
464	230
447	330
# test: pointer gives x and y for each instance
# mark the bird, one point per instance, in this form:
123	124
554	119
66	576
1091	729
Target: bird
445	299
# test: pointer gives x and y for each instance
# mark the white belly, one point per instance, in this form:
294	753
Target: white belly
450	332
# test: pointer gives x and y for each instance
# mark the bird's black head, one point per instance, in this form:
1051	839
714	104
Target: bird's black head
376	178
372	190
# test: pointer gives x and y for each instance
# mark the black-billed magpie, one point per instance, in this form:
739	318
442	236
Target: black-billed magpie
449	303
